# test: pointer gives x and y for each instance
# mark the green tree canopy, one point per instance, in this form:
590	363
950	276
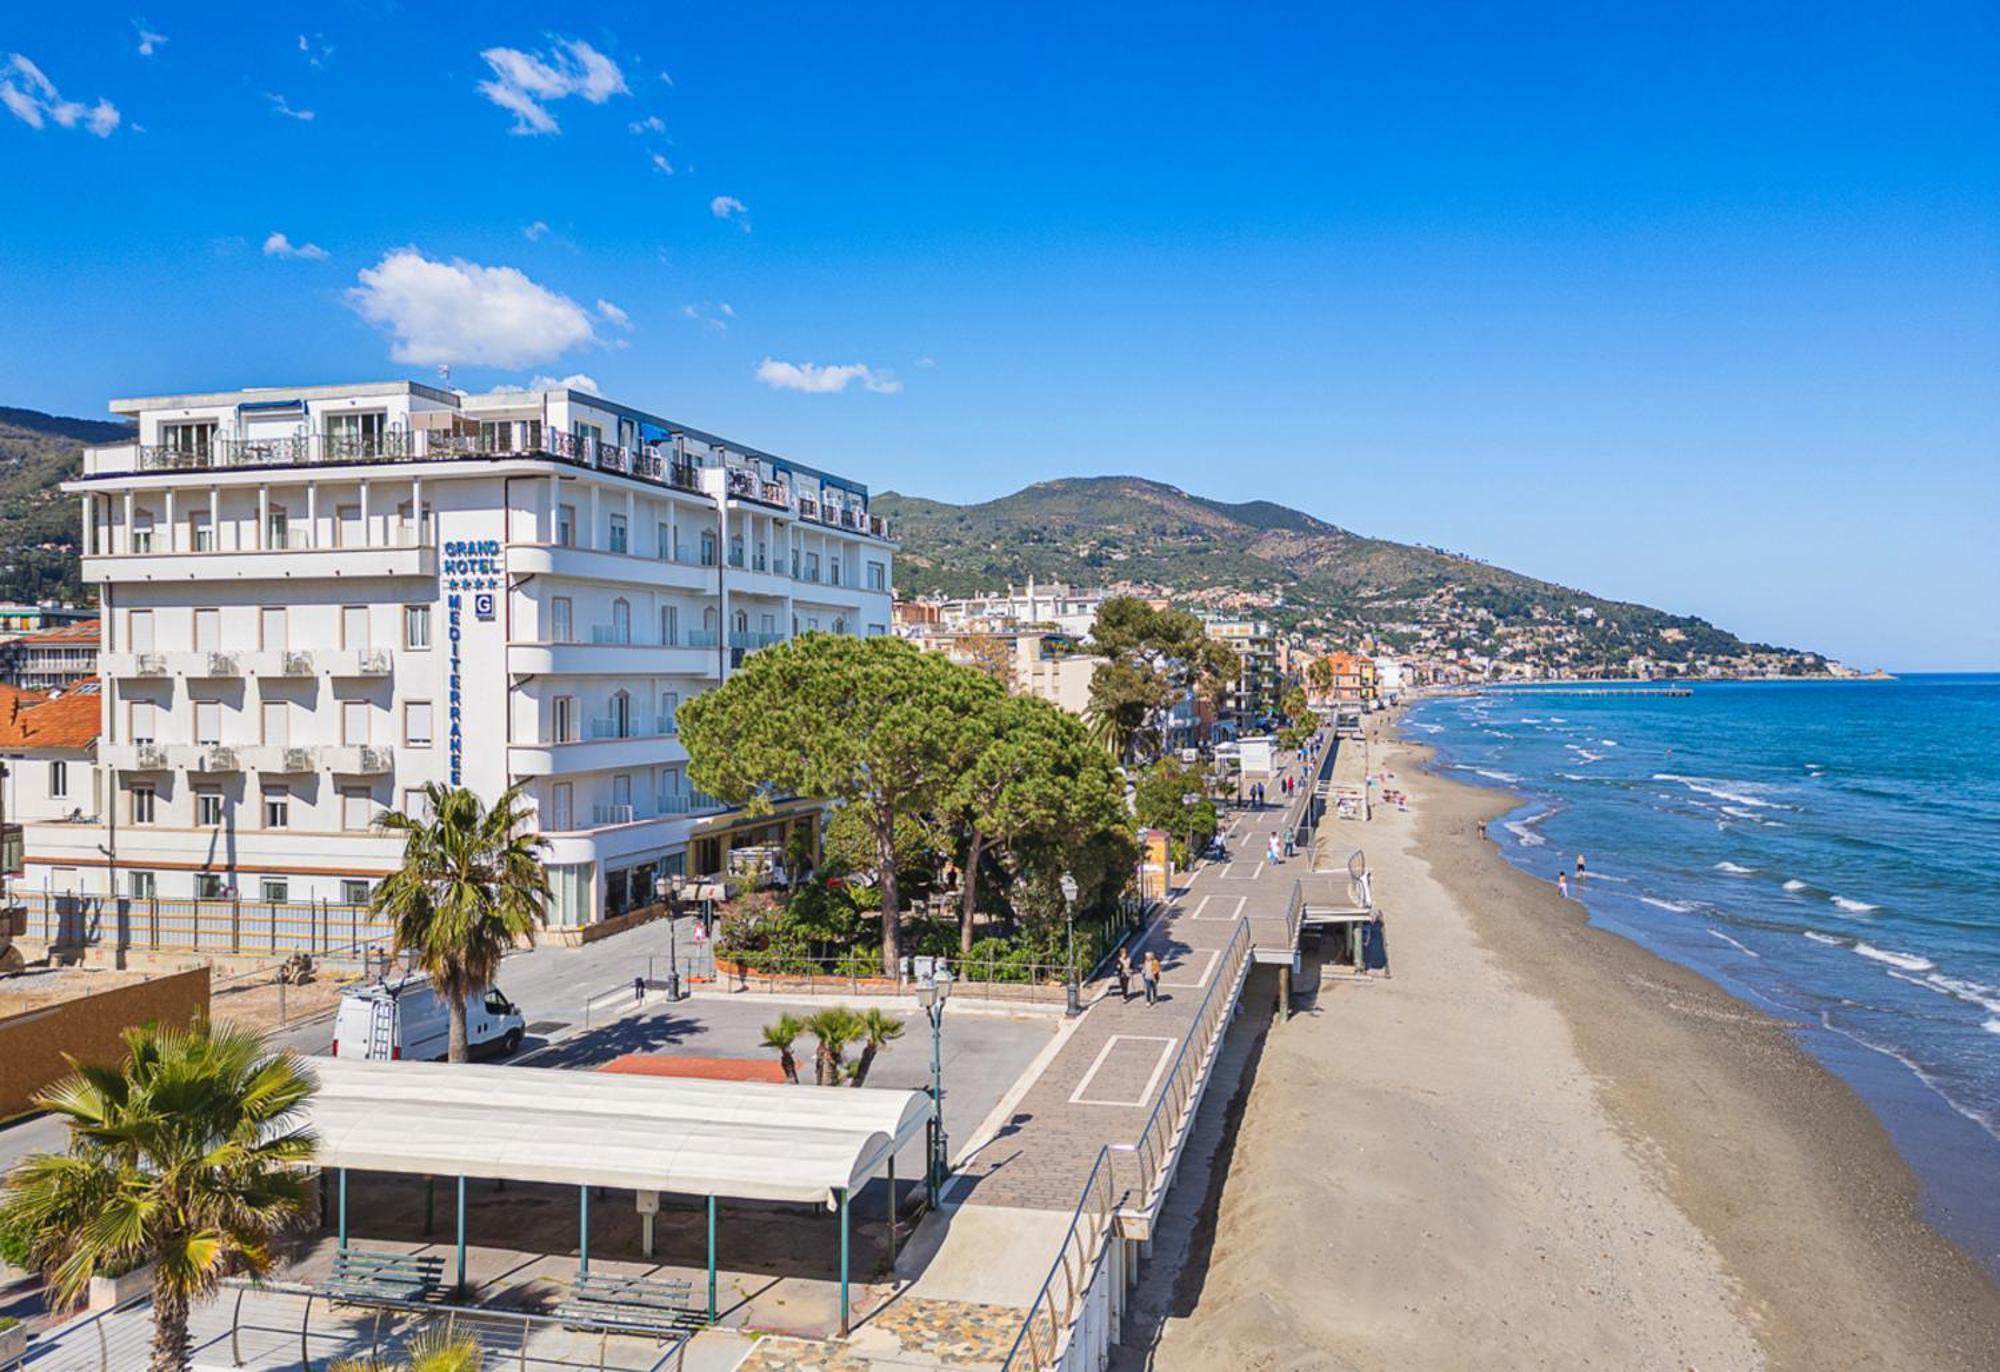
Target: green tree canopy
1153	659
1160	799
873	723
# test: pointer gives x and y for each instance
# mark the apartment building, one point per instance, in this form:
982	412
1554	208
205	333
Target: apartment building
51	659
1255	695
316	600
48	761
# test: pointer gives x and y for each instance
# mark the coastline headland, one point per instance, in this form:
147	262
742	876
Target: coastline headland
1542	1145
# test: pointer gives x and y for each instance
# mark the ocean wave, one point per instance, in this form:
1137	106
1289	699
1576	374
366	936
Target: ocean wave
1609	742
1557	719
1817	937
1710	786
1496	776
1584	753
1971	992
1526	720
1427	728
1856	907
1795	885
1717	933
1909	962
1522	829
1980	1117
1991	1026
1735	871
1679	907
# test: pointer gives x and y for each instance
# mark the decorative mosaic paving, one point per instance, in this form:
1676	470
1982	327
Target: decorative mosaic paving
951	1333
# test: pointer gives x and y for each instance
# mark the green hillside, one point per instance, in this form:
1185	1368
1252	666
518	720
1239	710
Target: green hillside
38	523
1323	579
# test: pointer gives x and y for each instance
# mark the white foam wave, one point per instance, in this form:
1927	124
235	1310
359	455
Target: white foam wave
1427	728
1980	1117
1735	871
1494	775
1909	962
1557	719
1971	992
1717	933
1794	884
1991	1026
1609	742
1817	937
1521	831
1679	907
1856	907
1709	786
1526	720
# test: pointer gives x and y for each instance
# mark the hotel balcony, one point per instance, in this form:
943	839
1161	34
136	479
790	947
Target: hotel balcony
685	573
359	662
360	759
391	558
281	759
603	751
120	666
135	757
613	659
207	757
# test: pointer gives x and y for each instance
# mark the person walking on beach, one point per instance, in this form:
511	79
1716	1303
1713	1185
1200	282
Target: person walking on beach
1562	885
1124	973
1149	973
1482	831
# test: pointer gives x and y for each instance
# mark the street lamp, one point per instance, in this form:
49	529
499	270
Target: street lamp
932	992
1072	998
666	889
1188	802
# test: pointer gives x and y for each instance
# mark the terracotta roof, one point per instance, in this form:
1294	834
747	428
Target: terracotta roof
72	720
13	698
84	631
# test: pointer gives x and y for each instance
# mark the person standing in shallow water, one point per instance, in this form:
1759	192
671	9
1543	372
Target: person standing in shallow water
1579	869
1562	885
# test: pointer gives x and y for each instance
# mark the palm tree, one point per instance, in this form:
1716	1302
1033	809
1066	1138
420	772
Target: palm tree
781	1034
439	1350
188	1156
834	1030
471	886
877	1031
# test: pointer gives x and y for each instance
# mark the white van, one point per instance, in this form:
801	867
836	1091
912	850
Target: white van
406	1018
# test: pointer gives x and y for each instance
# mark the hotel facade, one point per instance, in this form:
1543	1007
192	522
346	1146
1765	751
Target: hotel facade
316	600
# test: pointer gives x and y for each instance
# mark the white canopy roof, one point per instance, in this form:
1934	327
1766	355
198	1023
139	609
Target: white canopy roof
742	1140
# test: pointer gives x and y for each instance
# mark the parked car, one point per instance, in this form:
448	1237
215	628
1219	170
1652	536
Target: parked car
406	1018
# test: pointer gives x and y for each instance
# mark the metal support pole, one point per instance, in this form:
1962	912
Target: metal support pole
461	1234
430	1206
583	1231
843	1262
343	1207
892	1217
711	1260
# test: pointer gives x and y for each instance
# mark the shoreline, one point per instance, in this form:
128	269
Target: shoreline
1542	1145
1815	1212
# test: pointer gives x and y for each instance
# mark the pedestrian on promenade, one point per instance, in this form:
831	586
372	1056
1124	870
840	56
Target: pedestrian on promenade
1271	851
1149	973
1290	846
1124	973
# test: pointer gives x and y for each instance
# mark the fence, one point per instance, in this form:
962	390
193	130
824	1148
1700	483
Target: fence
1126	1179
217	926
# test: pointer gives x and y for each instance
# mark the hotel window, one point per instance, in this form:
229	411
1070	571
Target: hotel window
188	439
588	434
58	779
145	721
357	811
277	724
201	532
621	714
277	808
208	886
621	620
707	549
354	722
663	543
353	891
812	566
878	577
417	723
795	564
833	570
670	625
416	803
145	804
273	629
277	528
560	619
416	626
670	704
741	623
142	532
620	535
355	433
762	562
207	808
566	526
496	435
840	626
354	628
736	550
142	885
562	807
208	723
207	631
562	719
274	890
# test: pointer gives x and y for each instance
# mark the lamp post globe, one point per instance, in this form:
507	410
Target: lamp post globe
1072	994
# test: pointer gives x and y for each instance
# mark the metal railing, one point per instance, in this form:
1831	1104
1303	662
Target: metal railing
215	925
1127	1178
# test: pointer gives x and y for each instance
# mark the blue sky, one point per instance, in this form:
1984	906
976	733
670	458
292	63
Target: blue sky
1696	305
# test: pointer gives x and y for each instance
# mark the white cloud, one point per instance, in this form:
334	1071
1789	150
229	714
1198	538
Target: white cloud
729	207
316	49
282	106
524	83
533	233
715	316
661	164
278	245
667	77
459	311
149	42
814	379
575	381
652	123
611	314
927	362
34	100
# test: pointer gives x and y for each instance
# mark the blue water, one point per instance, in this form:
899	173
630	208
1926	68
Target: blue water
1829	852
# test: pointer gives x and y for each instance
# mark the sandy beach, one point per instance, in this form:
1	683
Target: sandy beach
1540	1145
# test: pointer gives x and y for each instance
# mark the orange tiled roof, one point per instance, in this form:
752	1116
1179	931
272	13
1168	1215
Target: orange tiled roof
71	720
83	631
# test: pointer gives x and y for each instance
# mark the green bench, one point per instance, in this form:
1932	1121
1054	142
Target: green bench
361	1276
647	1305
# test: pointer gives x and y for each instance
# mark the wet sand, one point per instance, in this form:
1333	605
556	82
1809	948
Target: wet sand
1540	1145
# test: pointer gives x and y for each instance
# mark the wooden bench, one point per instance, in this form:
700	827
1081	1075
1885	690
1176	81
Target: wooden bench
648	1305
359	1275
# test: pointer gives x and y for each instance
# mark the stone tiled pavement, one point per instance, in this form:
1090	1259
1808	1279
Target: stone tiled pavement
1043	1155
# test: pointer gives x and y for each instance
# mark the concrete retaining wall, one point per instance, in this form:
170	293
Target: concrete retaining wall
32	1043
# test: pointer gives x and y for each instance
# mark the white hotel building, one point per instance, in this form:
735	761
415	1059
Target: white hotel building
317	599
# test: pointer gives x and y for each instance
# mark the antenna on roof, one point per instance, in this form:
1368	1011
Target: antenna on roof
444	373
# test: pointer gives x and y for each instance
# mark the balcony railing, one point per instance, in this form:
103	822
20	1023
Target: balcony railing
362	662
149	757
703	638
297	664
149	664
659	726
216	757
223	664
750	640
612	814
689	803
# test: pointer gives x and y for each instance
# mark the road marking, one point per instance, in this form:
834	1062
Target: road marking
1077	1096
1207	970
1235	911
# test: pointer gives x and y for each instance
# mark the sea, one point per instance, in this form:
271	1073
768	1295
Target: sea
1826	851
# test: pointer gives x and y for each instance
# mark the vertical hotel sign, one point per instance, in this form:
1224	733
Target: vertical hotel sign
472	578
